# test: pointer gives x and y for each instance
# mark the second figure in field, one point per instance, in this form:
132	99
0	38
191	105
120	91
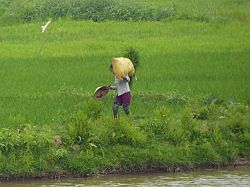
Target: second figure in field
123	96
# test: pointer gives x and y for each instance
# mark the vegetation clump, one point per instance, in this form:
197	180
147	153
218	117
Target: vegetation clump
96	10
92	144
24	11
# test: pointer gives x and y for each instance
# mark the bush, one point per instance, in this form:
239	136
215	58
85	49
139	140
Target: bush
29	147
92	143
205	154
158	127
92	109
78	129
124	132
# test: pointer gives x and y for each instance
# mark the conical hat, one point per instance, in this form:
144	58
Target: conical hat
101	92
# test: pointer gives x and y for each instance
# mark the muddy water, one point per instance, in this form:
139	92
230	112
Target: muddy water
229	177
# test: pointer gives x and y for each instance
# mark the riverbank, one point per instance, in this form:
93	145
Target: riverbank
202	133
242	163
214	177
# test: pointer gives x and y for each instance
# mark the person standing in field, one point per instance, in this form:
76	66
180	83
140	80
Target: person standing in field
123	96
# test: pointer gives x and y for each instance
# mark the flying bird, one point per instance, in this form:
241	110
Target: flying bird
46	25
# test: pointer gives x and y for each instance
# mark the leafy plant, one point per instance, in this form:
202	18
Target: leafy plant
92	109
134	56
124	132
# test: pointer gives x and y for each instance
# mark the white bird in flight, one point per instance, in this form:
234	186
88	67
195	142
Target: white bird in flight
46	25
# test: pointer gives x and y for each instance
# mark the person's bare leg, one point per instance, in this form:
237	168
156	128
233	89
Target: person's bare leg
115	110
126	109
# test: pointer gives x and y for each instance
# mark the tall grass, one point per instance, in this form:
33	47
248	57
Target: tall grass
96	10
200	134
16	11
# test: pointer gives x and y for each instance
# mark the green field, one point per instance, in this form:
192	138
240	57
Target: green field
191	58
199	51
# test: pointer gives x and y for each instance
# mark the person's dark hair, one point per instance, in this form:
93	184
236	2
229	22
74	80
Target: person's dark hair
111	67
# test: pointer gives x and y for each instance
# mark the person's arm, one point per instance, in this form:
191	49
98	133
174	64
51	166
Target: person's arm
112	87
117	82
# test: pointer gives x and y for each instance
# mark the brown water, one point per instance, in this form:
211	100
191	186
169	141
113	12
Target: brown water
229	177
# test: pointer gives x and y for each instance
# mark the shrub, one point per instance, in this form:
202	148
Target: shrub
92	109
29	147
78	129
124	132
205	154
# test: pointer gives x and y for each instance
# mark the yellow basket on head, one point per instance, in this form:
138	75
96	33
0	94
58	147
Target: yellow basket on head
122	67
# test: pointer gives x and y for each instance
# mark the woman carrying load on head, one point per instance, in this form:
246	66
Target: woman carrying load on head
123	68
123	96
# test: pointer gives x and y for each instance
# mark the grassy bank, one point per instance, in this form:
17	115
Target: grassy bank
203	133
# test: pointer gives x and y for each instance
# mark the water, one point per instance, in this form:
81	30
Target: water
232	177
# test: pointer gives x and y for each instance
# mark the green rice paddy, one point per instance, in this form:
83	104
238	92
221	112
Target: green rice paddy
194	59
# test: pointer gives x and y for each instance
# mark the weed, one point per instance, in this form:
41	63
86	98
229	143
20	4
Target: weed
125	133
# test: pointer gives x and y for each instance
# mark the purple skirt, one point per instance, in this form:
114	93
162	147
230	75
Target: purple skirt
123	99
